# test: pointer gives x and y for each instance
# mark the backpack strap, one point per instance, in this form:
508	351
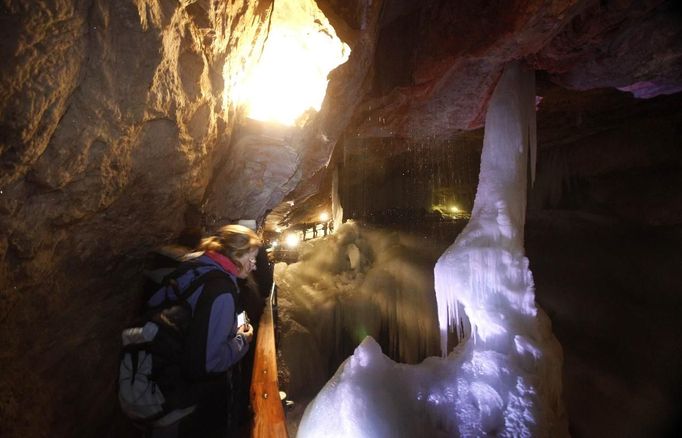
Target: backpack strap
197	338
182	269
170	281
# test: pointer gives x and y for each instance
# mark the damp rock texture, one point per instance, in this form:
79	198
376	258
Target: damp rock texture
112	119
424	71
437	62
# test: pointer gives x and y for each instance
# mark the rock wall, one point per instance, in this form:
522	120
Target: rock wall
632	45
437	61
607	153
112	117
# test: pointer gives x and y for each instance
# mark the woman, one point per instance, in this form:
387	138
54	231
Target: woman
214	342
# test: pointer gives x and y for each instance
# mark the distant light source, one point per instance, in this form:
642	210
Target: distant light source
324	217
274	244
454	209
292	240
291	76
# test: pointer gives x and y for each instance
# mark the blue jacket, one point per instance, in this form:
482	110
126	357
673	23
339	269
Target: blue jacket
213	319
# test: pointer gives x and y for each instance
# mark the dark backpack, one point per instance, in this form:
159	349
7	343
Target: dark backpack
155	383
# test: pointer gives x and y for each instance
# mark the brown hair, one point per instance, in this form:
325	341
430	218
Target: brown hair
232	241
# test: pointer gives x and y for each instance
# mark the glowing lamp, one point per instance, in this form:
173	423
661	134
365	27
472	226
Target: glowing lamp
292	240
324	217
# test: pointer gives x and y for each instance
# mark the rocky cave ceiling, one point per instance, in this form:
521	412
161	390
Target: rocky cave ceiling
118	133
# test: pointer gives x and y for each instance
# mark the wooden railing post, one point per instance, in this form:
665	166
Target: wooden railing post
268	413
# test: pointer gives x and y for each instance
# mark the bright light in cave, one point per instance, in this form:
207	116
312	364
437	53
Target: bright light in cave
292	240
324	216
291	77
450	210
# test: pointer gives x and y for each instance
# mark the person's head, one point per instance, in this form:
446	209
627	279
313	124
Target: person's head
238	243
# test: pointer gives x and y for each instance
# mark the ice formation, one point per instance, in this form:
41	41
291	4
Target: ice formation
337	209
355	283
504	379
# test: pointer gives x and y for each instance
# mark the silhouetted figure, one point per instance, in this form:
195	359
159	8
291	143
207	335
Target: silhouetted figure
215	344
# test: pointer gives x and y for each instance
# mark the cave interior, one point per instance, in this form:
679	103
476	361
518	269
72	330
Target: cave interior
122	130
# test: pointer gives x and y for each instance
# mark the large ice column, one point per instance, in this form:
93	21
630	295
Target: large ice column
504	378
486	271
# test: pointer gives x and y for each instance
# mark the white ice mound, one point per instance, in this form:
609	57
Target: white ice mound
470	393
364	399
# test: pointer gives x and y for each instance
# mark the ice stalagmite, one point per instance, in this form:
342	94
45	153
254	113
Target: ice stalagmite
486	271
504	378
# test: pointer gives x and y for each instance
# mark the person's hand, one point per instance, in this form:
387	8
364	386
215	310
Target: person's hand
247	331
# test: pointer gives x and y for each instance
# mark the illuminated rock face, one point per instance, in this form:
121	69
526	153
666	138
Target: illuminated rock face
424	70
630	45
112	119
437	63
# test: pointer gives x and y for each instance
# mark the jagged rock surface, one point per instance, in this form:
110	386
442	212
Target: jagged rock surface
112	120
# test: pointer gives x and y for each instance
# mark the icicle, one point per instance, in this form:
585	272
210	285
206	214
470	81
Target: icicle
485	268
506	379
337	209
532	125
499	208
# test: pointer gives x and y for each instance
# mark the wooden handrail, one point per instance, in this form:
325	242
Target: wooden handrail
268	413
